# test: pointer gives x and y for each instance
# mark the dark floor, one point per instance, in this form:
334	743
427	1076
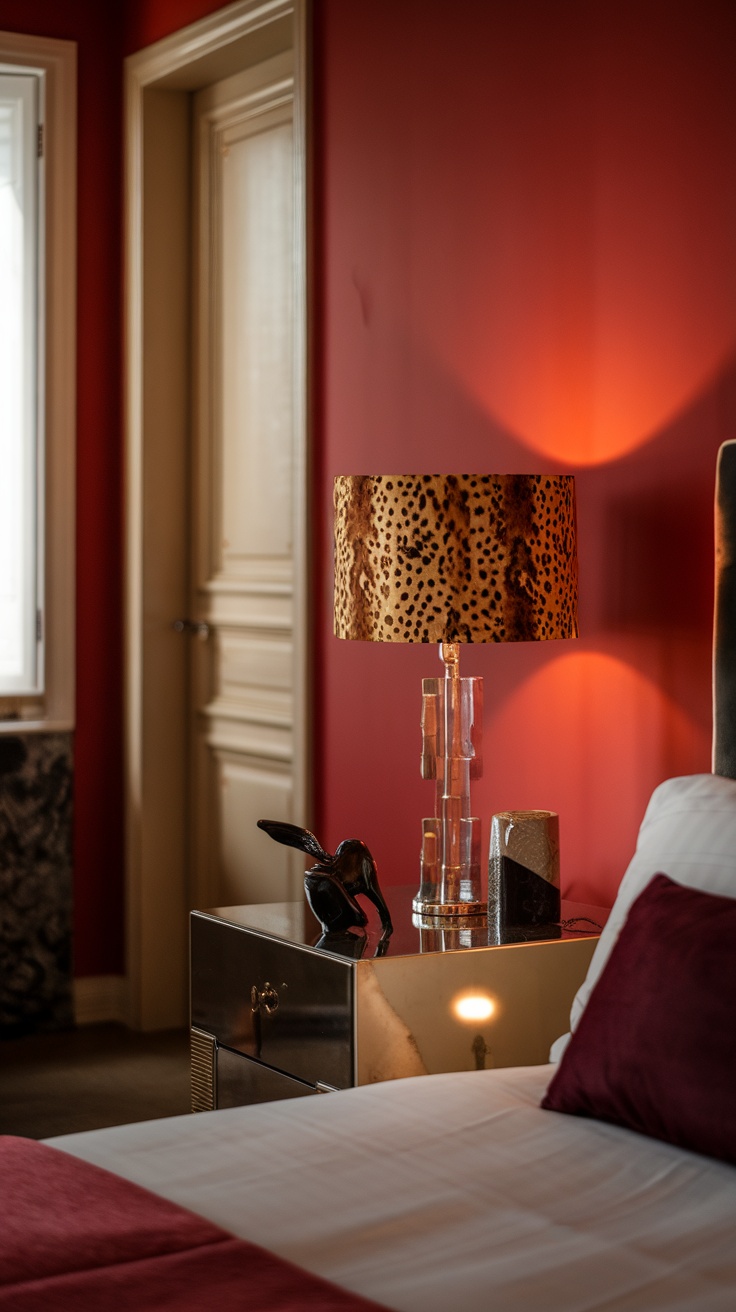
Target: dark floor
91	1077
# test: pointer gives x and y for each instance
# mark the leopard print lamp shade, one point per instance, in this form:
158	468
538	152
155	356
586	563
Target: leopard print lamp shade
455	557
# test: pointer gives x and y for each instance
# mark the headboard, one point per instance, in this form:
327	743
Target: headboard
724	624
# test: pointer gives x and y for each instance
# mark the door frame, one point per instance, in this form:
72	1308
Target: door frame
159	82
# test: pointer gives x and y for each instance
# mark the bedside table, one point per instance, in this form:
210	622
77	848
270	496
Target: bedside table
279	1011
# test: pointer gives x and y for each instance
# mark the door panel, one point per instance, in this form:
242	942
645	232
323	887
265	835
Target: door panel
255	164
243	489
251	871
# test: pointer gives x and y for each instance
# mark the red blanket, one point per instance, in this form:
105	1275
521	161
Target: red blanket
77	1238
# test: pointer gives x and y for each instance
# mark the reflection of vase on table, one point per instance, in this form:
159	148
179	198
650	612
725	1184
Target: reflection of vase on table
524	869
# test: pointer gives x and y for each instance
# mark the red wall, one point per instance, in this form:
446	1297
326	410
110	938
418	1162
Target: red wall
146	21
527	227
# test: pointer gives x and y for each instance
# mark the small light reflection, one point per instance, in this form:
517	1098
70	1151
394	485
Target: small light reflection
474	1006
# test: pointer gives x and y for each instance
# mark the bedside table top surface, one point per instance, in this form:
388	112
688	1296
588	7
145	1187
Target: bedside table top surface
294	923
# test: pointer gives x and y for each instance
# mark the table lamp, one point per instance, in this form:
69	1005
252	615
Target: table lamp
453	558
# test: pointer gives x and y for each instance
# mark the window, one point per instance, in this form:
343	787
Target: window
37	380
21	317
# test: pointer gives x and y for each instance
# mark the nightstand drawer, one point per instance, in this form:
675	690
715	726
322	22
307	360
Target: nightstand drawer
240	1081
285	1006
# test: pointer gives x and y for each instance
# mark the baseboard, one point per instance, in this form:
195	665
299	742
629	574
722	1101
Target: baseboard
99	998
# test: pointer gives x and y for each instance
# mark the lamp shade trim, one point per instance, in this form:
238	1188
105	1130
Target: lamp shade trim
455	557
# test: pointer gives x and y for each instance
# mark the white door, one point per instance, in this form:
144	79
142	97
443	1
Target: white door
243	481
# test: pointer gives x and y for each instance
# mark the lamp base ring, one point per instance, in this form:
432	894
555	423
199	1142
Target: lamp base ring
425	907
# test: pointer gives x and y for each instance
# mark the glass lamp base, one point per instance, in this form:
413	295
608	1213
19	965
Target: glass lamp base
450	890
452	717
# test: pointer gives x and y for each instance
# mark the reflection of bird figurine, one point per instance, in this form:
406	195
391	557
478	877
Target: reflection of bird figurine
334	882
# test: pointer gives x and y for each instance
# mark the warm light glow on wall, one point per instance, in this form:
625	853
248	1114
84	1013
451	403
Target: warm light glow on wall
474	1007
583	695
598	736
568	417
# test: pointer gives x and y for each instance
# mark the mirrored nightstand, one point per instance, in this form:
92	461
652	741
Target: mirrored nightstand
279	1010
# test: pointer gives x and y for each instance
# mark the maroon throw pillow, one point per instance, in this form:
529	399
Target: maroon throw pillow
655	1049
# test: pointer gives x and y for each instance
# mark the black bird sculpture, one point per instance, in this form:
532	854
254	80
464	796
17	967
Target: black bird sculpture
334	882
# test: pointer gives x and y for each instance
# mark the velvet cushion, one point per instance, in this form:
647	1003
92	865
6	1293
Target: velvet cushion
689	830
655	1048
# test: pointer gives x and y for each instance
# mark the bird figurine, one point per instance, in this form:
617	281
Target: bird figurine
334	882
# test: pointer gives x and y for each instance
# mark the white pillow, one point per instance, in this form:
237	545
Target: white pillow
689	833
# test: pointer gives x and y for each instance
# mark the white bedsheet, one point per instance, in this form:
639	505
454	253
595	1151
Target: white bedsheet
450	1192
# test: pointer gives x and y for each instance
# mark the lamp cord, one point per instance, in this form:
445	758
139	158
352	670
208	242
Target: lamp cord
570	924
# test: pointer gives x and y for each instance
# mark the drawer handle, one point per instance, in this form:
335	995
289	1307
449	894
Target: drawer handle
265	999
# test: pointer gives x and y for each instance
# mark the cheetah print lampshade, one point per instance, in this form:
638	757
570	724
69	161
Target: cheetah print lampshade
455	557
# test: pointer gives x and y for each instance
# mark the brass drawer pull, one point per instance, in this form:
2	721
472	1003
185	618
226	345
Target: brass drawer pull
265	999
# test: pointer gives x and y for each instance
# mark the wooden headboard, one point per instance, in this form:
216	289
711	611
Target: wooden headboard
724	624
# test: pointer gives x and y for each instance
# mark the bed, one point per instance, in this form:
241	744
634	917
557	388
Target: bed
445	1191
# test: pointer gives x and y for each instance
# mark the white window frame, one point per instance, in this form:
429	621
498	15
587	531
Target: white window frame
55	63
